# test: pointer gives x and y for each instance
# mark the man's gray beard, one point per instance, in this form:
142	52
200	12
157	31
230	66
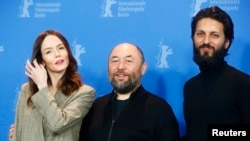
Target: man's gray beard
124	87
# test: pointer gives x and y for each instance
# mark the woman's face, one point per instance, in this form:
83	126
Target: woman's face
54	54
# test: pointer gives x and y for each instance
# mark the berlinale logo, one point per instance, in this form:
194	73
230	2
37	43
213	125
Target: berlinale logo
106	8
24	8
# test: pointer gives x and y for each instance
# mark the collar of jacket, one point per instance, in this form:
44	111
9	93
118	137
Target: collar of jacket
139	91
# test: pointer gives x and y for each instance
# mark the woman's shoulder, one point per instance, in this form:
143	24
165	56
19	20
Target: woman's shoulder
86	89
24	91
25	87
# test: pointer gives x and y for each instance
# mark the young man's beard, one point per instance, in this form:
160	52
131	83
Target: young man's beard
206	62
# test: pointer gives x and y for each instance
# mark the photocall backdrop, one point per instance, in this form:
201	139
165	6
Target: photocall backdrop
93	27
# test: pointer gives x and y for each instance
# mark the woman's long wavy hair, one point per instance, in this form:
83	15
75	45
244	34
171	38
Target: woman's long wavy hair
70	81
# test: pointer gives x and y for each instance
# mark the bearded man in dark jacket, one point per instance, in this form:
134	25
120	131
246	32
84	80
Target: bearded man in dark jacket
219	96
129	112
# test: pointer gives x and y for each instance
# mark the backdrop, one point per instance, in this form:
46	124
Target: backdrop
93	27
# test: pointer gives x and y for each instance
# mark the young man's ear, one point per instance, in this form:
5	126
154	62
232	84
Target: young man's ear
227	44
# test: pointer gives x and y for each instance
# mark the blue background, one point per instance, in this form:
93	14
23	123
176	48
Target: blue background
155	24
